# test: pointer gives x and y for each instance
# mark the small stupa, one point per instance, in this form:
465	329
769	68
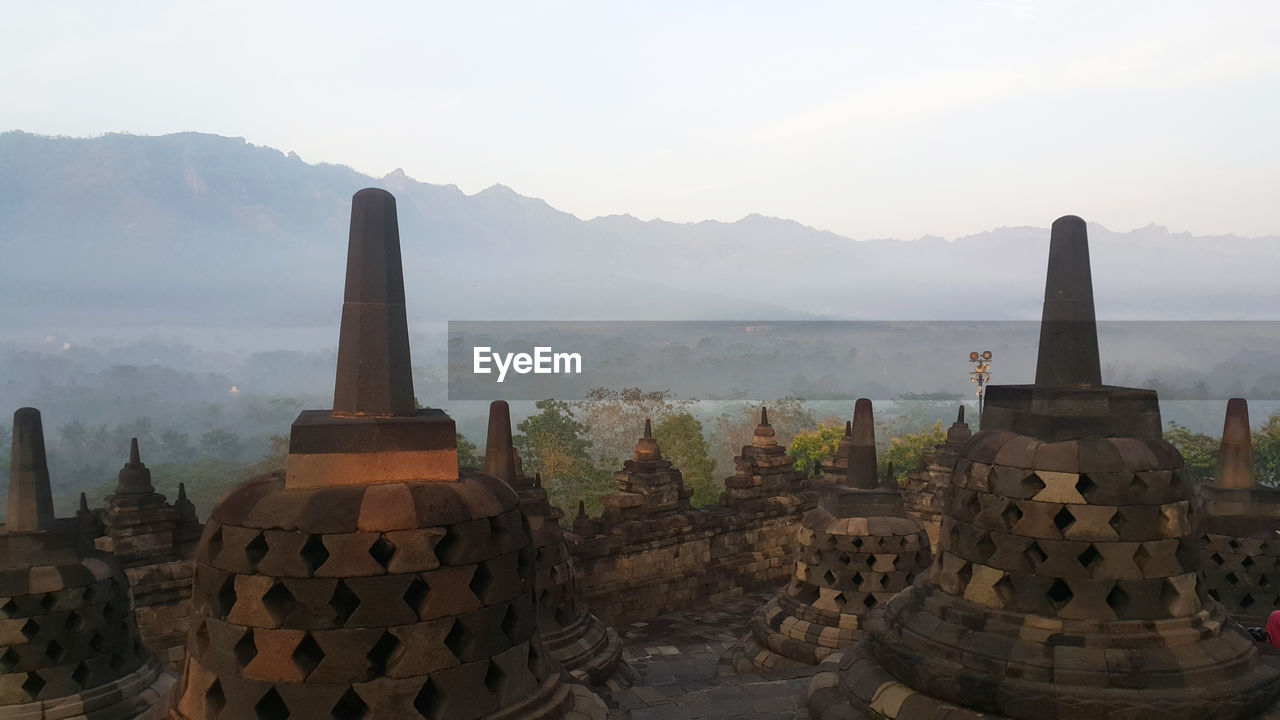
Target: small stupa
69	645
855	551
764	469
648	484
926	485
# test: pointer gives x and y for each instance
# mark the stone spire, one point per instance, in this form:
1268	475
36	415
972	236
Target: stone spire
646	446
763	470
135	478
959	431
499	455
862	450
1235	456
374	372
30	496
1068	329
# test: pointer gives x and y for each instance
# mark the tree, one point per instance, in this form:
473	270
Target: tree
905	450
175	447
810	448
680	438
1266	452
613	419
220	444
468	454
553	442
1199	451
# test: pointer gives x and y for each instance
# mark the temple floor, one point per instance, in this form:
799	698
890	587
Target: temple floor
677	658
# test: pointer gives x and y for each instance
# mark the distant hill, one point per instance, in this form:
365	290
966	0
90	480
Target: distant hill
201	230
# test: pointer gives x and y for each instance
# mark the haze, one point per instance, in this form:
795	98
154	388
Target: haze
868	119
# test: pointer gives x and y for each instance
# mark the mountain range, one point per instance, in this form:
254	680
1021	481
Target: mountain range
198	230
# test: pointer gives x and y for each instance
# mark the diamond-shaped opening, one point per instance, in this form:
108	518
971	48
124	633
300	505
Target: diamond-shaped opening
1005	591
1138	486
869	601
202	639
108	612
47	601
33	685
1011	515
884	581
511	623
54	651
1246	601
214	699
857	542
416	594
9	660
95	642
74	622
30	628
845	559
1187	554
1214	594
226	597
81	675
831	540
1035	554
382	550
494	678
985	547
871	561
1088	557
1231	578
1170	596
1117	521
807	595
382	653
279	602
245	650
458	639
428	702
1264	581
1233	544
307	655
256	550
1085	486
856	580
343	602
1031	485
1246	562
1059	593
9	609
481	581
350	707
314	553
839	600
271	707
1118	601
830	578
1141	557
964	575
1064	519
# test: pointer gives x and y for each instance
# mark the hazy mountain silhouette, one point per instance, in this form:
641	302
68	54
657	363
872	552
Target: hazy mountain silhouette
201	230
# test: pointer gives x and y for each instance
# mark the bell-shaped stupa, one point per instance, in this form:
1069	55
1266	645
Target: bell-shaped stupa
69	645
1067	580
373	578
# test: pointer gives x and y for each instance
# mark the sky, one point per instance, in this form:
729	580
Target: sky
870	119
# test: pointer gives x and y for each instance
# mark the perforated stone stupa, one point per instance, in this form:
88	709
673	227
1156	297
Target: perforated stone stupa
1065	584
764	469
69	645
372	579
855	551
587	648
1239	543
925	487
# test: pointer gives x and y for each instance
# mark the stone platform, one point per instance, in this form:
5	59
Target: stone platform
677	657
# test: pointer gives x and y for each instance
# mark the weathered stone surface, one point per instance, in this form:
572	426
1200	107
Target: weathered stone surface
764	469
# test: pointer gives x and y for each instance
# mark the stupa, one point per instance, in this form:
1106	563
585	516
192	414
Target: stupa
764	469
1066	581
833	469
1239	543
855	551
648	485
69	645
372	578
926	484
584	646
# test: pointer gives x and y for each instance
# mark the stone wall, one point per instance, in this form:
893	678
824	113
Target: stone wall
643	568
162	604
